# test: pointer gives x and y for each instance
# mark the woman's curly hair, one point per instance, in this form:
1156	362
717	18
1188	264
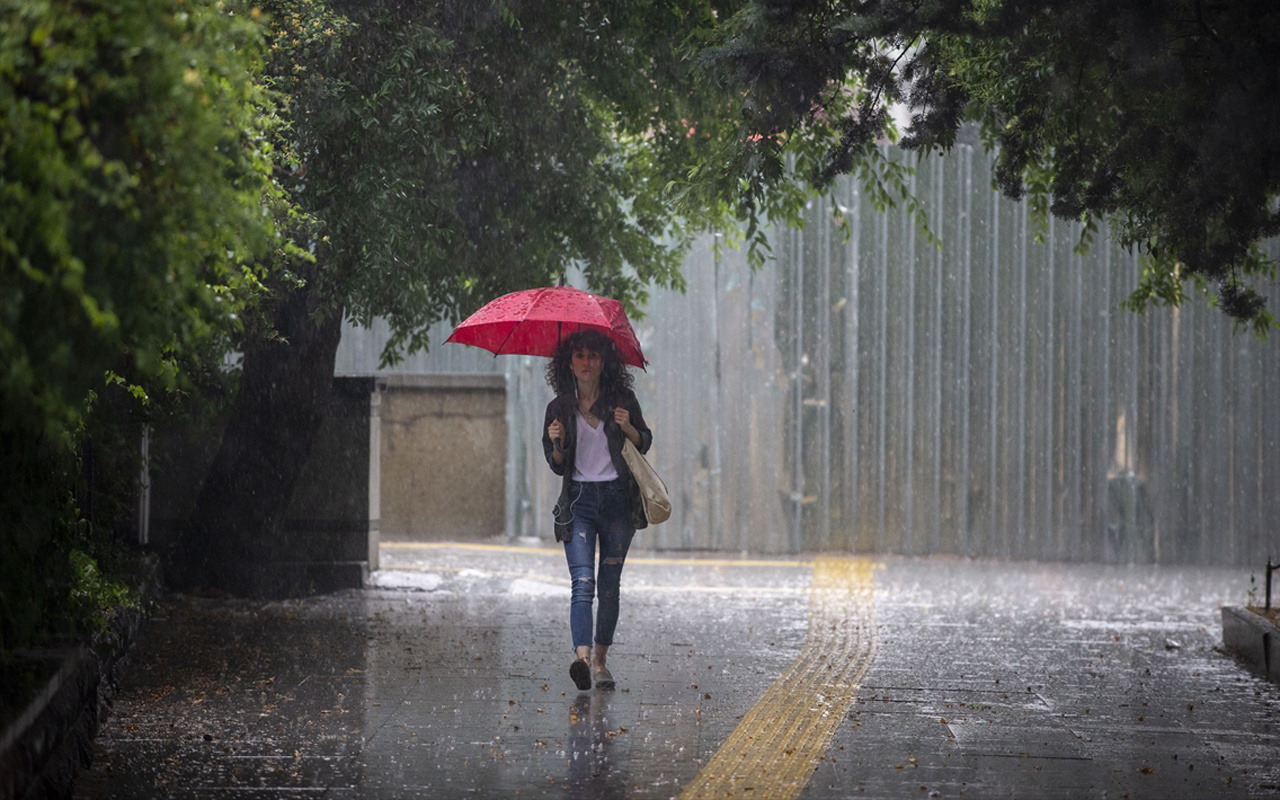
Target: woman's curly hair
614	375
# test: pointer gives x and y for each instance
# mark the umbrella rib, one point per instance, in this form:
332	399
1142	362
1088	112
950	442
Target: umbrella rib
505	339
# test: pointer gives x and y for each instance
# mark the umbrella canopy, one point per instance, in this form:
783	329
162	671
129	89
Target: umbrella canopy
533	322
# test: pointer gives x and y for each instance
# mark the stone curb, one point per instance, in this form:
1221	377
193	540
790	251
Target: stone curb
1254	640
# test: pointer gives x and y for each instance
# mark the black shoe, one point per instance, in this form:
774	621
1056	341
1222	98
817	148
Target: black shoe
580	671
603	679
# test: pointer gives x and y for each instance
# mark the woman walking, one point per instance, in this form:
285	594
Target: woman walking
594	410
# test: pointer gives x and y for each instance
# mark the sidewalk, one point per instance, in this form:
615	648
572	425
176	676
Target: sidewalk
807	677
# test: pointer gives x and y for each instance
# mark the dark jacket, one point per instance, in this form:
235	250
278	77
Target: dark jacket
564	408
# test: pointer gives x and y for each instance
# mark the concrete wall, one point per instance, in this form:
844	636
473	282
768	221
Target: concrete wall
330	527
333	516
444	457
983	395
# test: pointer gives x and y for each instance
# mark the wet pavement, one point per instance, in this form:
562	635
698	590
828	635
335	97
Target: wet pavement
737	677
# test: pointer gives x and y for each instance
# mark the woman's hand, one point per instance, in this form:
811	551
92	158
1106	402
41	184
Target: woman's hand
555	431
623	418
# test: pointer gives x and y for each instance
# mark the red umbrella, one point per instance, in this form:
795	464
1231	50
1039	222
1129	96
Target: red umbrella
533	322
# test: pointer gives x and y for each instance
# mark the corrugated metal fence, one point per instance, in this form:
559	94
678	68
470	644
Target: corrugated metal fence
881	394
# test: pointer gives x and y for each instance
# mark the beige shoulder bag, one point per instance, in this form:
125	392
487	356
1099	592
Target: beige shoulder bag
653	492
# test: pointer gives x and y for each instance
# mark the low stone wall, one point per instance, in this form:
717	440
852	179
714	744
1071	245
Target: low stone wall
43	749
53	738
1254	640
331	521
333	517
444	457
398	457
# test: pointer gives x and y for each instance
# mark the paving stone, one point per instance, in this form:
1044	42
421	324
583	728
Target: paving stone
988	680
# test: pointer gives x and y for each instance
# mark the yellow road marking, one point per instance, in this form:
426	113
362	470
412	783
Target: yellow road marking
716	589
630	587
777	745
506	548
720	562
556	551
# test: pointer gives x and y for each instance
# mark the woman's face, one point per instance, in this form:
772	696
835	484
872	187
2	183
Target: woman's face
587	364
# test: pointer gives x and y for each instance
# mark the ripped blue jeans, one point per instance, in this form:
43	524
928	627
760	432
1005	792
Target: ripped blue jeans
600	513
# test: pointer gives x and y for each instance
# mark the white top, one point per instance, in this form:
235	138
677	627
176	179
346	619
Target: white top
591	461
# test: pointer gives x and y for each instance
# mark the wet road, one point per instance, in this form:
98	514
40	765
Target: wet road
806	677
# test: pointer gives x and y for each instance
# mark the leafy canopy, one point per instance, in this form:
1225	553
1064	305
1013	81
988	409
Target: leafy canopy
133	170
454	151
1159	116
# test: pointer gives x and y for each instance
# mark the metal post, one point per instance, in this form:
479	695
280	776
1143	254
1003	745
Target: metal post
144	488
1270	568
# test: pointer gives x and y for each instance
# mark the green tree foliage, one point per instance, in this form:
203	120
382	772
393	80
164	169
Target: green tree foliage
453	151
133	181
134	173
1159	117
443	154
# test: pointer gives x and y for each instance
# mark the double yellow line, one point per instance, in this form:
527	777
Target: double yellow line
777	745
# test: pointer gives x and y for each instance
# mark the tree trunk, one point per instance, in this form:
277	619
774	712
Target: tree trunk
235	533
